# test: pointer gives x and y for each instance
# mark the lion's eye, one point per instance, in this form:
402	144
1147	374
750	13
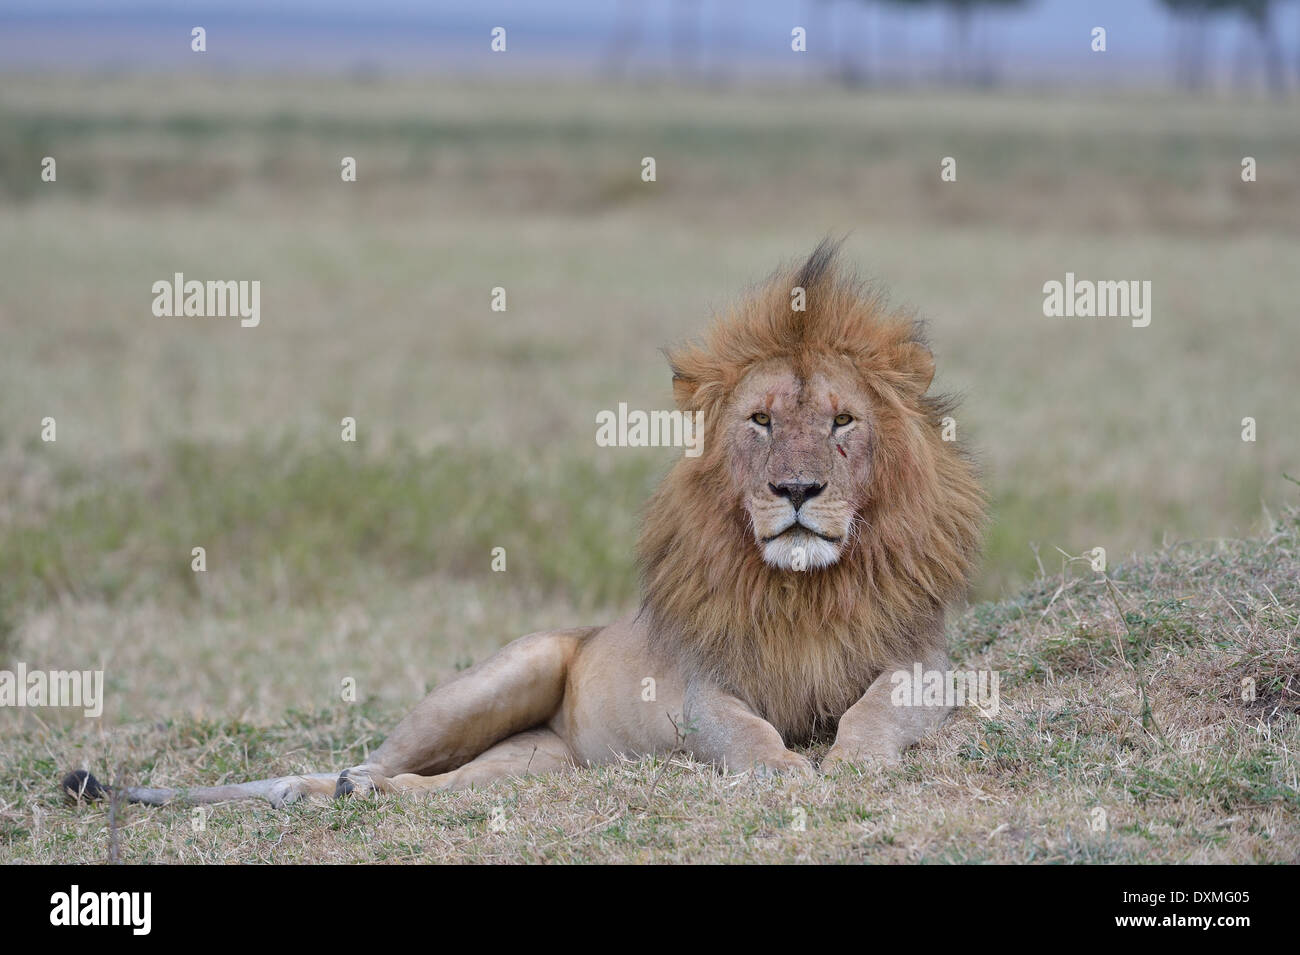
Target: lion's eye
761	419
842	419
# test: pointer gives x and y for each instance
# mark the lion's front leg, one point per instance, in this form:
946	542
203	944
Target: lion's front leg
725	730
876	729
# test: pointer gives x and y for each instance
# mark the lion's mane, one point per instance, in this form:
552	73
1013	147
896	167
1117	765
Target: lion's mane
801	647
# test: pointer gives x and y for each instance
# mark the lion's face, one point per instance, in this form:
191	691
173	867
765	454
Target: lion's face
799	451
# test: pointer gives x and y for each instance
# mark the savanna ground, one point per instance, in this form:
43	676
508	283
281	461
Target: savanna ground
1121	692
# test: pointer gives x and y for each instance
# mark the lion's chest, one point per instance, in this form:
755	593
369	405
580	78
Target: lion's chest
803	690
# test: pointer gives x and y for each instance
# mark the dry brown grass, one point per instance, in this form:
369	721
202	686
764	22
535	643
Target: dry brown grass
1197	775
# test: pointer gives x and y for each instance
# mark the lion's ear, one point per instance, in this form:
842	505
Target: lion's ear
916	364
684	389
688	370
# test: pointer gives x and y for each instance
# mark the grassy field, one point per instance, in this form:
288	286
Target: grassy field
476	428
1123	736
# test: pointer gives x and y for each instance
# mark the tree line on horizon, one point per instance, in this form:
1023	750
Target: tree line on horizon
969	58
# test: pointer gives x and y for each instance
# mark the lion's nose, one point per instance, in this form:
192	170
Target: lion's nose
797	493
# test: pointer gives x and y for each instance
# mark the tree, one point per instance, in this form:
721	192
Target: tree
1191	44
1259	14
963	66
1191	50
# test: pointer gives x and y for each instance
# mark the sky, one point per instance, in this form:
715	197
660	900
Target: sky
1040	40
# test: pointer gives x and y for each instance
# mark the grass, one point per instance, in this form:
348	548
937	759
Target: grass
1201	774
319	517
376	293
371	561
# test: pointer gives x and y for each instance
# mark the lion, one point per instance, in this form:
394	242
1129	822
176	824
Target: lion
788	572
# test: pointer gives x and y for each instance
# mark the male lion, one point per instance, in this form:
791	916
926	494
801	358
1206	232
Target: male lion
788	572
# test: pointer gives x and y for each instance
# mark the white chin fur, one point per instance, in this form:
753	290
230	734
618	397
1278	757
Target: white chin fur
799	550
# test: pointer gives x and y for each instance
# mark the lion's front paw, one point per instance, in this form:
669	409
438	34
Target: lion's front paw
840	756
787	762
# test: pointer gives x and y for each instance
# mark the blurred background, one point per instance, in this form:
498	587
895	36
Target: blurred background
522	169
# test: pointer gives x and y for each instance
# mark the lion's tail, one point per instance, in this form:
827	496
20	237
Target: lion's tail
82	786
